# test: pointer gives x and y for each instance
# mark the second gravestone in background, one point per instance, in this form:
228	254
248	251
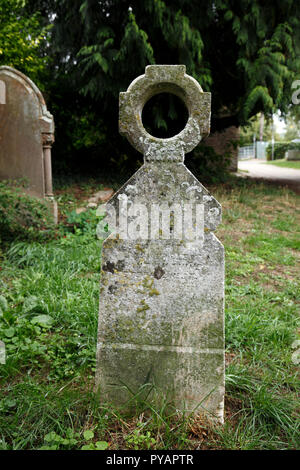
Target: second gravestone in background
26	135
161	318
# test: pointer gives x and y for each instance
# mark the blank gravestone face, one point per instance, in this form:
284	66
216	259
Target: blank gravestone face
162	282
26	133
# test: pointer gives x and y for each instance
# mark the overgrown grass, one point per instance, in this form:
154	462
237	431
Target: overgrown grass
49	320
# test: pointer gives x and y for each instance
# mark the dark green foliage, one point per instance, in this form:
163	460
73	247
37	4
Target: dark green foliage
164	115
236	50
23	39
22	216
207	165
246	53
84	222
280	148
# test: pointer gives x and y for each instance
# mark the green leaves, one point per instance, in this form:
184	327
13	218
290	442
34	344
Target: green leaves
138	440
228	15
261	94
7	404
22	39
55	441
99	445
23	216
71	440
9	332
43	320
268	45
3	305
88	434
30	303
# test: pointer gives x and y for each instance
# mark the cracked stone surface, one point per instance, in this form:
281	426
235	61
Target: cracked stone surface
161	314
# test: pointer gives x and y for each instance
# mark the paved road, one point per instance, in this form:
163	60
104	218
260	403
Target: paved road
261	170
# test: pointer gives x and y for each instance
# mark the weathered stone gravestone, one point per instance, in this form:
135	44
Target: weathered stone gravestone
26	134
161	318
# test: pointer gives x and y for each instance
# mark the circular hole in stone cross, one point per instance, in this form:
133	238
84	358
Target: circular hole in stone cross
164	115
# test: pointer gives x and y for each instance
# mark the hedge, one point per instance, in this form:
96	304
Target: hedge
280	148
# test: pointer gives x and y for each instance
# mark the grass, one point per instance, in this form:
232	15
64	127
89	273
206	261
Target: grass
285	163
49	309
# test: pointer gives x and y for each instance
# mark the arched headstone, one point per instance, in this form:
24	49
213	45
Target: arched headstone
26	134
161	318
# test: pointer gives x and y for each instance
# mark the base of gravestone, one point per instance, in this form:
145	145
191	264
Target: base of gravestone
153	399
190	396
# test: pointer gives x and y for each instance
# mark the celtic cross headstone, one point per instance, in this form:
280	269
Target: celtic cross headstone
161	318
